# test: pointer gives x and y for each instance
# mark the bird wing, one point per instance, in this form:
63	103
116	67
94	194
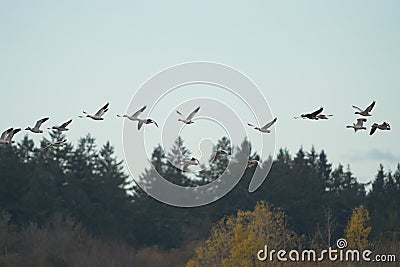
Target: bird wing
137	113
39	122
13	132
315	113
370	107
5	133
359	109
251	125
65	124
191	115
179	113
140	124
269	124
101	111
373	129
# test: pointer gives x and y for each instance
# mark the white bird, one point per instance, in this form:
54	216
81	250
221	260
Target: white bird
265	128
135	117
253	162
6	136
365	112
188	119
98	115
36	128
219	152
55	144
384	126
62	127
190	162
359	125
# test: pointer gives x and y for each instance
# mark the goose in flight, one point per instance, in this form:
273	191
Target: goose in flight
188	119
98	115
135	117
359	125
384	126
6	136
265	128
365	112
62	127
316	115
36	128
219	152
190	162
253	162
55	144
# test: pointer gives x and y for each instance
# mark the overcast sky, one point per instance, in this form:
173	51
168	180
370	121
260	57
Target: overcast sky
58	58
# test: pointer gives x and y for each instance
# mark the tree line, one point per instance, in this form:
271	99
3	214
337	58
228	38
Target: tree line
88	184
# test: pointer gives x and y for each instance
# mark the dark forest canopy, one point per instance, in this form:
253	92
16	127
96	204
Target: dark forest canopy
89	184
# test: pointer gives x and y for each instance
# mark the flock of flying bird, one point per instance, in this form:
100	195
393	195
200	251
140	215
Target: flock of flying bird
7	136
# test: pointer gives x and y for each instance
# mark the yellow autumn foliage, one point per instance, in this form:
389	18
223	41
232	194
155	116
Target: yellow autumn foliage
357	229
235	240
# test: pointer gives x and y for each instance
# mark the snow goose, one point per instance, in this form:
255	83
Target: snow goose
62	127
55	144
265	128
135	117
190	162
188	119
359	125
6	136
384	126
99	114
253	162
36	128
365	112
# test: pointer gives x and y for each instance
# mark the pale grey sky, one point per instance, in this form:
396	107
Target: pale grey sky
58	58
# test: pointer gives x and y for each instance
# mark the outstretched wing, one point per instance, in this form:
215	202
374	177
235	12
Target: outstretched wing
373	129
65	124
39	122
359	109
269	124
5	133
101	111
370	107
191	115
140	124
137	113
251	125
315	113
